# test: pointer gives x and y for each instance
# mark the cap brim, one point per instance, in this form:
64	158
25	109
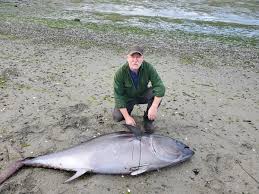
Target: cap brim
133	52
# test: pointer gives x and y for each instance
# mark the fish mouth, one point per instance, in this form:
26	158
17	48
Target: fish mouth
188	152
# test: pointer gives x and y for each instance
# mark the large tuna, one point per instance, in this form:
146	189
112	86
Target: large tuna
114	153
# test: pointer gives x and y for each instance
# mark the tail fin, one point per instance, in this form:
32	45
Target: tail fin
14	167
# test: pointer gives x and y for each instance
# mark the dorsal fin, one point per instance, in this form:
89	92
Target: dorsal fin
135	130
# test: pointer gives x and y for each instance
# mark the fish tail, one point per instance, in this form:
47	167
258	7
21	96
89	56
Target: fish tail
11	169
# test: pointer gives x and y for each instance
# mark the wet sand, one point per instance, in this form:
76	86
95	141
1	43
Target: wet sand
56	94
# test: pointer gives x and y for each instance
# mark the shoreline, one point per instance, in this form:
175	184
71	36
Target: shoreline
189	51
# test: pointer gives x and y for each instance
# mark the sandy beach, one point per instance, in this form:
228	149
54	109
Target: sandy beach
56	91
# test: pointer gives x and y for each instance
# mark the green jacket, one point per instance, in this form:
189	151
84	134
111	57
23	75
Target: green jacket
124	89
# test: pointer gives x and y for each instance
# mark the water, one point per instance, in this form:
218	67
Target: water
224	17
235	18
243	12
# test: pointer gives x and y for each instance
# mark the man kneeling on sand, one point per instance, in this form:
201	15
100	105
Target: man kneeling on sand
131	88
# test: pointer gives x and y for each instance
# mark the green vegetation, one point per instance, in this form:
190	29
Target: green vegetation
3	130
66	24
170	20
114	17
7	37
19	86
222	24
22	86
234	39
2	81
7	4
186	59
133	30
118	28
23	145
76	1
108	98
52	23
198	58
93	98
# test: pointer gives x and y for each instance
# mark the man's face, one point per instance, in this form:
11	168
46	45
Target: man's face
135	60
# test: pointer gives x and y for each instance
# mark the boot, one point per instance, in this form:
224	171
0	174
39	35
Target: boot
148	124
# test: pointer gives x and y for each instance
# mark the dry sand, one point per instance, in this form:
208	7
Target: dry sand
53	96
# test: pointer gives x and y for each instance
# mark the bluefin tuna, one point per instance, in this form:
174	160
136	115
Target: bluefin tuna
114	153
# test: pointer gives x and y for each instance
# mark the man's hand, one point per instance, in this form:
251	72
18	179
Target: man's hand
152	113
130	121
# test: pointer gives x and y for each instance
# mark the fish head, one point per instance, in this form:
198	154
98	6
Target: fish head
170	150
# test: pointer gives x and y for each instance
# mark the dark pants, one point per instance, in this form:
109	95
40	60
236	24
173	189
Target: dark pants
147	98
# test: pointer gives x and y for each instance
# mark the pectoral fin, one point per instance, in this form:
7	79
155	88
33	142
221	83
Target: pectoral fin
140	170
78	173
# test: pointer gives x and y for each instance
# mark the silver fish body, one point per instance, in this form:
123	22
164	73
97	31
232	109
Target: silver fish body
115	153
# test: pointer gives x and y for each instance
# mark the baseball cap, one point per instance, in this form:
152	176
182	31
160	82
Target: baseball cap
136	49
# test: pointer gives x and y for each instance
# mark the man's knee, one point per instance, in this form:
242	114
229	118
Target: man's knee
117	116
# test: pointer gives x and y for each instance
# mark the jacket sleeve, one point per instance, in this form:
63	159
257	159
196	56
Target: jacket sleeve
120	99
157	84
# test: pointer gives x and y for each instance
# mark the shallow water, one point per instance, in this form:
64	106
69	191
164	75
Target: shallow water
230	19
227	17
243	12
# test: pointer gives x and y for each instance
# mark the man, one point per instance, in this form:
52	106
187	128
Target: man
131	88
